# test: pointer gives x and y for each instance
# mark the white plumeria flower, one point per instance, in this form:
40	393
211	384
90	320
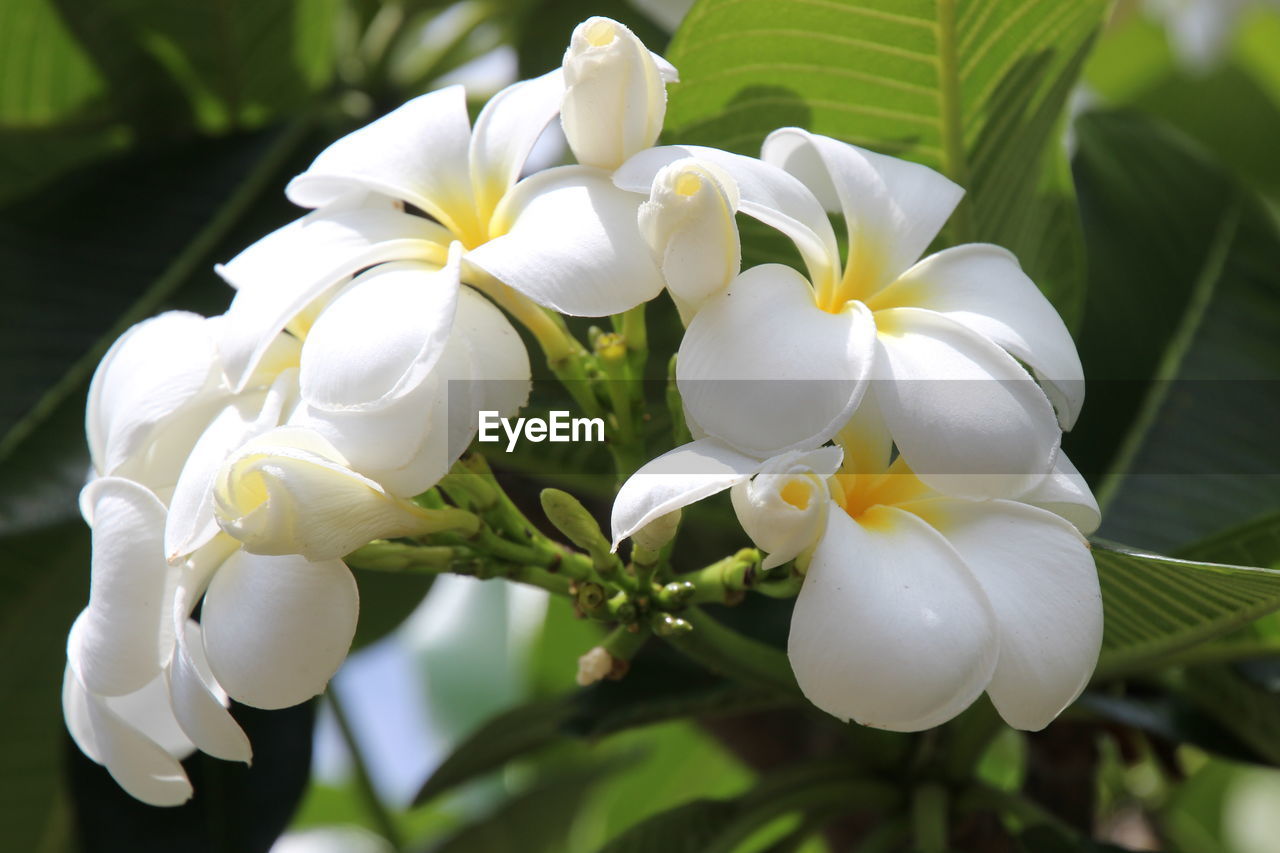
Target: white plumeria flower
942	336
689	225
913	602
566	237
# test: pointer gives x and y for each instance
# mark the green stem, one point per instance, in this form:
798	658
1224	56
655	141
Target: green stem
985	798
731	654
724	581
637	338
378	812
929	818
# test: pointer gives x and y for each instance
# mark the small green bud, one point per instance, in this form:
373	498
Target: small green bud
572	519
591	597
667	625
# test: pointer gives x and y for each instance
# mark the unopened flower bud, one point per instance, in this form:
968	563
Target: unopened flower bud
615	98
657	533
689	225
290	492
784	507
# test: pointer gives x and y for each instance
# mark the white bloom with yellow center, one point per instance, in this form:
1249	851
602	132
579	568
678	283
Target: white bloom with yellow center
913	602
779	361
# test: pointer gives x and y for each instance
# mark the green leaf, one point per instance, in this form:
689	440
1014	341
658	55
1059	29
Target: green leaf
536	821
1178	341
386	600
975	90
659	687
1254	543
1156	606
1248	711
722	826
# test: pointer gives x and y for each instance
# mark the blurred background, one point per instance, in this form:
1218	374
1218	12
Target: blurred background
142	141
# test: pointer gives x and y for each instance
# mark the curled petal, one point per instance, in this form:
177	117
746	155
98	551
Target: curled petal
191	523
890	629
966	417
983	288
417	153
893	208
120	642
765	370
784	507
410	305
499	359
199	702
689	225
765	192
152	374
290	492
615	97
1064	492
676	479
276	629
138	764
282	274
1038	574
570	242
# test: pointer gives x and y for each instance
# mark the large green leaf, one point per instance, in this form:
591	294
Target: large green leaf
973	89
1157	606
1178	341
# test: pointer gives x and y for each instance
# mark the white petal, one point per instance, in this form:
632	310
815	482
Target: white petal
118	644
615	98
890	629
153	372
1064	492
139	765
865	439
150	712
290	492
276	629
966	417
676	479
689	225
766	370
506	131
199	703
1038	574
417	153
380	337
766	193
893	208
283	273
191	523
499	358
982	287
571	243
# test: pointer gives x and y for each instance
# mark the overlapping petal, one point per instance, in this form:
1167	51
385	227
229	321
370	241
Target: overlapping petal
966	417
505	132
417	153
150	376
411	306
1064	492
118	644
1038	574
284	272
276	629
893	208
569	241
982	287
765	370
890	629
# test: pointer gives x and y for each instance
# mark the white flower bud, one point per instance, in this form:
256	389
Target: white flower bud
594	666
290	492
689	225
615	98
658	532
784	507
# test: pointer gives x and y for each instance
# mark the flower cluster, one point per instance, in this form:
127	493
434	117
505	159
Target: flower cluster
238	458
